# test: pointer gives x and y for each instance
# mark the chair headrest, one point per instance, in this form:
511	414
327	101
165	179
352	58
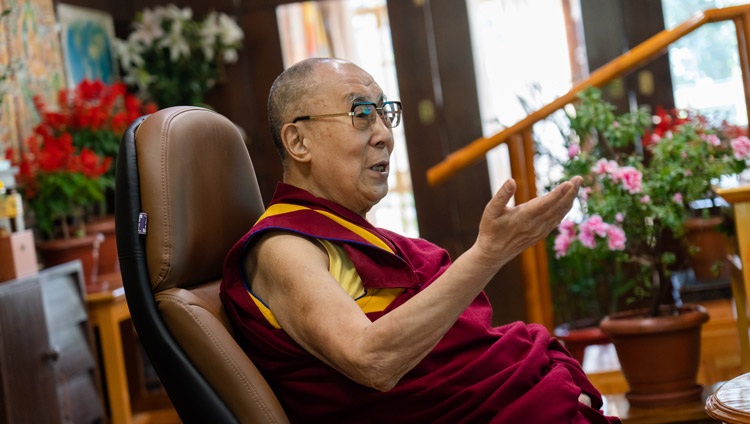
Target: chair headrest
199	191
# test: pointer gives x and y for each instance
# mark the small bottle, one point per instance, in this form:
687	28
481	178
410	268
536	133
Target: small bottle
14	208
4	218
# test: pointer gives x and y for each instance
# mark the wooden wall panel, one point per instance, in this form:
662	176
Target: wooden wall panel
435	67
611	28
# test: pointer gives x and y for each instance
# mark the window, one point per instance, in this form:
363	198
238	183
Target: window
705	64
358	31
522	63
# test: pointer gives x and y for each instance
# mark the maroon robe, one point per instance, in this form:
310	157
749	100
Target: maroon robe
477	373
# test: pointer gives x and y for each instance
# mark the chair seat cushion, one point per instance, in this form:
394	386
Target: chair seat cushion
239	382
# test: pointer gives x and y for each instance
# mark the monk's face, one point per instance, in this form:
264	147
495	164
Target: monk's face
341	163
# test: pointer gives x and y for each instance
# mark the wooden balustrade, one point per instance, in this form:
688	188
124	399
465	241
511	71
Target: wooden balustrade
521	147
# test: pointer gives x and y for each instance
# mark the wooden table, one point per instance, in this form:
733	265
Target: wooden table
107	309
731	402
691	412
739	198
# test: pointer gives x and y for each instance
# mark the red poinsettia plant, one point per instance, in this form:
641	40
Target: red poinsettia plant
65	166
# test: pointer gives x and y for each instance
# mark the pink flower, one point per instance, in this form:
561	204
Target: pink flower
604	166
645	199
564	239
616	238
677	198
585	193
741	147
573	150
568	227
587	238
712	139
619	217
655	138
615	124
562	243
631	179
592	227
596	224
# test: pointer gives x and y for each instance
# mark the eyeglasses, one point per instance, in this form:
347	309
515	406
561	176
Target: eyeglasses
363	114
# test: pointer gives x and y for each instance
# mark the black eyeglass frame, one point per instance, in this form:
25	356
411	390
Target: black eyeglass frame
378	110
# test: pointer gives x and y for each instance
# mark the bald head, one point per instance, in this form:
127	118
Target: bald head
291	92
324	153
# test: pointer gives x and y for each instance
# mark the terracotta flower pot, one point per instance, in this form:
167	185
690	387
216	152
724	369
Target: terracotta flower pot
108	260
703	233
86	248
578	335
659	355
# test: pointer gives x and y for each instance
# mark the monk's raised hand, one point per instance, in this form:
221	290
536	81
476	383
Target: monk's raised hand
506	231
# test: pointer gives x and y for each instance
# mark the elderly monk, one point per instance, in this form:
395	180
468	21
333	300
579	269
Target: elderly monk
355	324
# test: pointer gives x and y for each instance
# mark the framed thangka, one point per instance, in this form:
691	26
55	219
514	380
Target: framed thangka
87	41
31	57
8	129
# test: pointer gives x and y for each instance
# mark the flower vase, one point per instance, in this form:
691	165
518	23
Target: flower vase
85	249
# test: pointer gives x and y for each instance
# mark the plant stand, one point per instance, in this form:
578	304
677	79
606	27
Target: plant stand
659	355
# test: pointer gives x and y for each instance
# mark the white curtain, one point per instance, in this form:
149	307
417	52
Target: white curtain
315	29
522	63
358	31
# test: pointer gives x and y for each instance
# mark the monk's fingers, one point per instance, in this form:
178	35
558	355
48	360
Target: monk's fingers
499	201
554	205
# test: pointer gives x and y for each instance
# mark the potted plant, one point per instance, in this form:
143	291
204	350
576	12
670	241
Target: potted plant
628	233
65	167
173	59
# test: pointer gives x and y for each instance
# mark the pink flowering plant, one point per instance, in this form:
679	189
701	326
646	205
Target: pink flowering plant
641	173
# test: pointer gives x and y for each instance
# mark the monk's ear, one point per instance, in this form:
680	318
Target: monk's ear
295	142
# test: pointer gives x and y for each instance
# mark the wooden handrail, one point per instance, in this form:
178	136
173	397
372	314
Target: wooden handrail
636	57
534	261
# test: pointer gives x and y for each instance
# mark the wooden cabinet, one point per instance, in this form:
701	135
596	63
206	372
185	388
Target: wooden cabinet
48	370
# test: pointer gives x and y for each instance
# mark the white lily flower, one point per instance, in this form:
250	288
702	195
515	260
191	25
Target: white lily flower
230	56
159	12
129	53
148	29
170	30
176	42
209	33
230	33
139	78
175	13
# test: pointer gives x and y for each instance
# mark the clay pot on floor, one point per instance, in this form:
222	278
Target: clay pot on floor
659	355
704	234
85	249
108	260
578	335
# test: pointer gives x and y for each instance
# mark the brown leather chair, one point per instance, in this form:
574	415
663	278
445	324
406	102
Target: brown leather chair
186	191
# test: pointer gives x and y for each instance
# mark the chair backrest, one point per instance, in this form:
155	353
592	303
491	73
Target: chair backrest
186	191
